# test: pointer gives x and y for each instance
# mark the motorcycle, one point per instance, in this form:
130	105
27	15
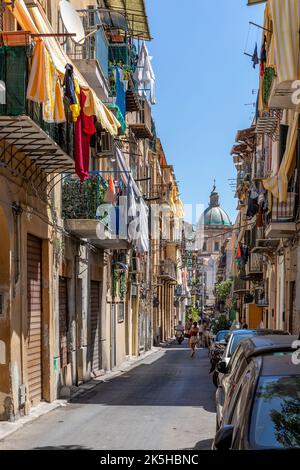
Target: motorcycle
179	334
217	354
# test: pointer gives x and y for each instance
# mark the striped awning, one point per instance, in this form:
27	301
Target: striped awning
286	22
135	13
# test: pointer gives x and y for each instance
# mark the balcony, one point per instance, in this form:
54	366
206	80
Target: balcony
86	215
124	56
168	271
268	124
281	95
31	148
160	192
91	58
239	286
140	121
282	222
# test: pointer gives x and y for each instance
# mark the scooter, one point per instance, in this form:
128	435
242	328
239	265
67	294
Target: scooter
216	357
179	334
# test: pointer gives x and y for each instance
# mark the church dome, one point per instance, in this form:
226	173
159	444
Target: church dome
214	214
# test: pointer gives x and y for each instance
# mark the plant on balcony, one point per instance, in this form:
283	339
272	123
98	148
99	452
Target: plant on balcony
115	284
267	84
80	200
123	287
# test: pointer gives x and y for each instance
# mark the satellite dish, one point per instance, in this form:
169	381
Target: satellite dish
71	21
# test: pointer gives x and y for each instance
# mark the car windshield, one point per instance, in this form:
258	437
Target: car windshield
236	341
275	422
220	336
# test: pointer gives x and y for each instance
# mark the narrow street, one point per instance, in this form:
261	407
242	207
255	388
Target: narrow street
167	402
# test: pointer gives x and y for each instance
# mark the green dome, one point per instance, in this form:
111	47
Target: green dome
216	216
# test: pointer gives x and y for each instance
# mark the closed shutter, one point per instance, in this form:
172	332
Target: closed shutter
63	321
95	326
34	312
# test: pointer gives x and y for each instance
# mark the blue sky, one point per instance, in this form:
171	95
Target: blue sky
203	81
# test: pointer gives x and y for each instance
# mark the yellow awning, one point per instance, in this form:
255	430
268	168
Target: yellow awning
278	184
286	19
135	13
38	23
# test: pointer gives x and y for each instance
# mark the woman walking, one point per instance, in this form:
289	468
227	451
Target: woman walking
194	331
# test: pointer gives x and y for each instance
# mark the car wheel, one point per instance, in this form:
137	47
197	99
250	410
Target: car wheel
215	379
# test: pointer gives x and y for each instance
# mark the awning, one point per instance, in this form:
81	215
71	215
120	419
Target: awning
135	13
285	15
24	135
278	184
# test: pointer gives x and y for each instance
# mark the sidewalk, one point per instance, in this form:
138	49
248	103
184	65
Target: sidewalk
8	427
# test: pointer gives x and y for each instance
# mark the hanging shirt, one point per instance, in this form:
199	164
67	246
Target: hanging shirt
84	128
69	85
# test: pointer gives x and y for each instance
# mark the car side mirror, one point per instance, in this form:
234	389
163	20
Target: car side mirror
222	367
223	439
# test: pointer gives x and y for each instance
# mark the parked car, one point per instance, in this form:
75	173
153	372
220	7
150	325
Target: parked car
234	339
246	350
264	411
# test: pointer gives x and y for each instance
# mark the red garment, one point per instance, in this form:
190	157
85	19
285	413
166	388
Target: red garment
84	129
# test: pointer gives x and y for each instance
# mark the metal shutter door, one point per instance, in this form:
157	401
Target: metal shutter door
95	320
63	321
34	312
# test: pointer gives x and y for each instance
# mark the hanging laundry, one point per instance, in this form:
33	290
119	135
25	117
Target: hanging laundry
84	128
144	74
37	89
69	85
110	196
252	206
255	58
263	56
259	218
53	107
75	108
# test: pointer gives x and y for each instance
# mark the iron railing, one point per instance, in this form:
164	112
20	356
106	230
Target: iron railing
81	200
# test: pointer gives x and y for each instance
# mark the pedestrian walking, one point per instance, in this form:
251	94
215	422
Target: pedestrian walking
194	332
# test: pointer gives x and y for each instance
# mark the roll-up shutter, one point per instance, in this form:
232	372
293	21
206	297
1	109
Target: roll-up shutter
34	318
63	321
95	326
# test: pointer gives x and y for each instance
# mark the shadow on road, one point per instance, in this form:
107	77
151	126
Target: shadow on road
65	447
173	379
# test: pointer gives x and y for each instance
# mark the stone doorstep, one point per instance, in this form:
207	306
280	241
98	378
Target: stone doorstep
8	427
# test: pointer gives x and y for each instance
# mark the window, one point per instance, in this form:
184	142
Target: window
121	312
204	247
282	141
217	246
